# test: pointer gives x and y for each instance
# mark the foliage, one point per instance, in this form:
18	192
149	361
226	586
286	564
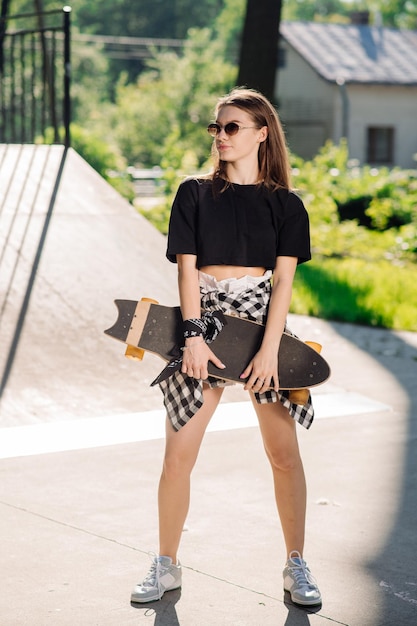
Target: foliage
89	81
358	274
353	290
397	13
156	117
104	159
149	18
307	10
158	216
228	28
330	179
394	13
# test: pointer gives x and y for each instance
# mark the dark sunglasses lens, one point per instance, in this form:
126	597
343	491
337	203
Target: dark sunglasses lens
213	129
231	128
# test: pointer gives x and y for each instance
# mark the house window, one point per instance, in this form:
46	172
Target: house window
380	145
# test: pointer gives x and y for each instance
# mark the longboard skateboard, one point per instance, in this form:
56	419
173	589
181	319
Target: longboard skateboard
146	326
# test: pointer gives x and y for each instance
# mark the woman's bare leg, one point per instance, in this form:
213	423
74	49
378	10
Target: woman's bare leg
181	453
279	435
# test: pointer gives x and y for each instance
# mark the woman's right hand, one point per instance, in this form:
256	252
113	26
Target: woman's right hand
196	356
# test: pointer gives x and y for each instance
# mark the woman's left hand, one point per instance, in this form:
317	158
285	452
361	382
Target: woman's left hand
262	371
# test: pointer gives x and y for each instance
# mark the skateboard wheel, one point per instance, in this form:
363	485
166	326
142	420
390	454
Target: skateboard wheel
151	300
136	354
316	346
299	396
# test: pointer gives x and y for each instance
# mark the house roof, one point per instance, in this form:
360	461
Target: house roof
356	53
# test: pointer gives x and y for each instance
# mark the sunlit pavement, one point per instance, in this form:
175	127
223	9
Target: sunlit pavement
79	507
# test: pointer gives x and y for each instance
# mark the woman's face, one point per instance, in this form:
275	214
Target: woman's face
245	144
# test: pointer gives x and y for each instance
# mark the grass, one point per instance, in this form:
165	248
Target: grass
354	290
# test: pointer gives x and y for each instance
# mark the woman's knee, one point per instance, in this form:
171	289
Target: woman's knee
178	464
279	436
283	458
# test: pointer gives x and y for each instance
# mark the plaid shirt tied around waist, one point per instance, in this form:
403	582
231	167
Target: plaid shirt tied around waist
183	395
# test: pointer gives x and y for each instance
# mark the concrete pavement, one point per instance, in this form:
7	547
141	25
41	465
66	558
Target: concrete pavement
77	524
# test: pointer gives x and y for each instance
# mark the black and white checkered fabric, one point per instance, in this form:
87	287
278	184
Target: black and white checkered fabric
183	395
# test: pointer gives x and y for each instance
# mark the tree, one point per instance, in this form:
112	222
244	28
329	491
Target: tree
228	27
399	13
393	13
155	112
310	10
160	19
259	48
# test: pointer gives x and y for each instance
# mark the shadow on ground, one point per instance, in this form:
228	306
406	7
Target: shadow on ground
394	569
163	610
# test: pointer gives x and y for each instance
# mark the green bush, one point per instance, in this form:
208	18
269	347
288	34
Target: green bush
353	290
363	269
103	158
386	199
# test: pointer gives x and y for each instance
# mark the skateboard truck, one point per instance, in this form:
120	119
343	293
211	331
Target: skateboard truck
132	352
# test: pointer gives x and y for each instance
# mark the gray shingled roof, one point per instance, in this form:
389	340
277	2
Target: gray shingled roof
358	54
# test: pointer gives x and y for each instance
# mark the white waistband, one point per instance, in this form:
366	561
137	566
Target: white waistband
232	285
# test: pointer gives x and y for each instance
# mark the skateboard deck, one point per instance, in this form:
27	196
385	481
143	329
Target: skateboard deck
146	326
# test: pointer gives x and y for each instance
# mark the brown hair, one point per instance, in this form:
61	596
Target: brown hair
273	159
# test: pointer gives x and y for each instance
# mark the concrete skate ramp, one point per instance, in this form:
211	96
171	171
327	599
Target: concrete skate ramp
97	248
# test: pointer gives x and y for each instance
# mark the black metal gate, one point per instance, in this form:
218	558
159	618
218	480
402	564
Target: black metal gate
34	109
35	77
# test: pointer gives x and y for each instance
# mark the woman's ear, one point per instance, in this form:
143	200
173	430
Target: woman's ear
263	133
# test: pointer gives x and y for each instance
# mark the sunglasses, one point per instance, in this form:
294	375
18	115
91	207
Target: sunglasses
231	128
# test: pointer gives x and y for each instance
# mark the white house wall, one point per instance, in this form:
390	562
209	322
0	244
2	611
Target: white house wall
305	105
383	105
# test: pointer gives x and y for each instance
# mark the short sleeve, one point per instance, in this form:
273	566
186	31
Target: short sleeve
294	233
182	232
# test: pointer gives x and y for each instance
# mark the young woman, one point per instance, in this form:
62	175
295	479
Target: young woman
237	236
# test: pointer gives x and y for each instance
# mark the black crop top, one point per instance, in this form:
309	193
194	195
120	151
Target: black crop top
245	225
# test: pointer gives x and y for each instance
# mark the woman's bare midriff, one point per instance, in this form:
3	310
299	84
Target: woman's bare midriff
220	272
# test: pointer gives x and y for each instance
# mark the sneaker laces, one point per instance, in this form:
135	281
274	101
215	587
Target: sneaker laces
299	570
153	577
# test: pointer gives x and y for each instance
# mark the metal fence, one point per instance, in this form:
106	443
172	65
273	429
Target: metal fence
34	109
35	76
